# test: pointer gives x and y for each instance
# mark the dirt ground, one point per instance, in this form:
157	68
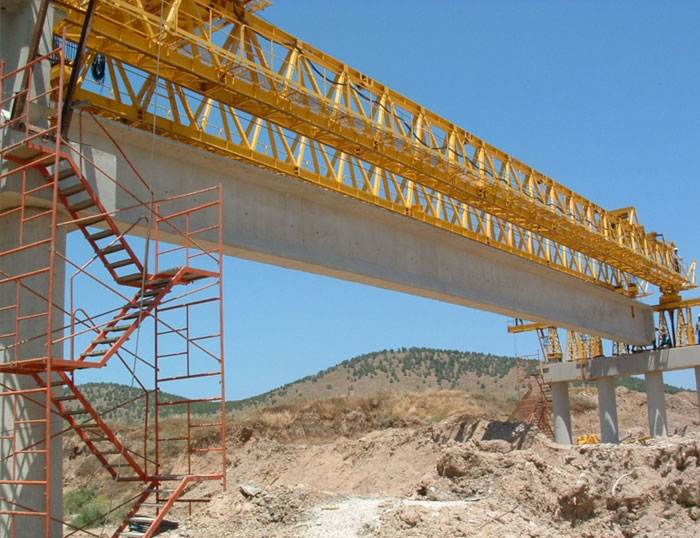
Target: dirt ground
461	476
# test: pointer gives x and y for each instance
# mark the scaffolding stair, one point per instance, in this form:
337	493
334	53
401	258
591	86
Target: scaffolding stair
65	184
140	524
535	405
77	195
85	420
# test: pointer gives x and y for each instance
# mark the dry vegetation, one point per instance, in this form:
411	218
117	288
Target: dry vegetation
325	418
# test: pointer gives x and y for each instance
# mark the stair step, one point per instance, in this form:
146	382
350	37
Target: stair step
152	505
131	534
127	279
94	353
100	235
151	293
135	315
65	398
112	248
118	328
105	341
81	205
120	263
141	519
75	412
159	283
65	174
140	304
69	191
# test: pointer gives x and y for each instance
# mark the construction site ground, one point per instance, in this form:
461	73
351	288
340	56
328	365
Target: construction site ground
347	470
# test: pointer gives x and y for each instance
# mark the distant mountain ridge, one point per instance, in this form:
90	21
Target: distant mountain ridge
402	370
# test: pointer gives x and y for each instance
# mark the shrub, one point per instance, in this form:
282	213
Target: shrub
77	498
90	508
91	514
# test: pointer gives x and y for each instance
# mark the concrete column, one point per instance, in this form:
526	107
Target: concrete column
562	413
607	409
19	300
697	384
17	21
656	404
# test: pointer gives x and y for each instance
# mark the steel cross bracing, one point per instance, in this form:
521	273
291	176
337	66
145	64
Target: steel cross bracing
195	72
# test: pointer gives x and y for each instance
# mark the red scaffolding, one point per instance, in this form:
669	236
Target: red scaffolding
105	317
534	396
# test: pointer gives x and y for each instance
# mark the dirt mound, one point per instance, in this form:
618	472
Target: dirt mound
327	469
459	477
353	416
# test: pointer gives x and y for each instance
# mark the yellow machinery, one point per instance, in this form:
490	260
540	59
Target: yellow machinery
213	75
589	439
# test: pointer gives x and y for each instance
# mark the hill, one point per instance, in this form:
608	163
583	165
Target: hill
412	370
126	404
401	370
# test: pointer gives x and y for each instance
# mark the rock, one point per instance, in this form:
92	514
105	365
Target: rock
464	460
410	516
251	489
577	503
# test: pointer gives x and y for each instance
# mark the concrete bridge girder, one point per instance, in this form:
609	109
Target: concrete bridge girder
282	221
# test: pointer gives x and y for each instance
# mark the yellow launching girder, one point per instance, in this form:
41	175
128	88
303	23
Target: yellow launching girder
194	71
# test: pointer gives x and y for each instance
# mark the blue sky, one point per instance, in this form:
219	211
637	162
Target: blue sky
601	96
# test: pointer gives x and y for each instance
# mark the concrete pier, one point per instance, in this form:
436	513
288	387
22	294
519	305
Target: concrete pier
23	312
607	409
656	404
650	363
562	413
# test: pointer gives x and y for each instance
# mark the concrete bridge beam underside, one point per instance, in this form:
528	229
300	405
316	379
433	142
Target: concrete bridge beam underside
282	221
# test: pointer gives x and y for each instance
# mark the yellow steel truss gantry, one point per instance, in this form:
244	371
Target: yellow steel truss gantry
205	74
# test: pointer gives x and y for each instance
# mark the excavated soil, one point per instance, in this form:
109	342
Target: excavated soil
463	476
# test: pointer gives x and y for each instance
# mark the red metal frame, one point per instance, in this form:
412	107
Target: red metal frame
98	341
534	396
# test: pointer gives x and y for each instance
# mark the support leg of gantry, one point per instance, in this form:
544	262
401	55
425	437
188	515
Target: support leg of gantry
607	408
697	384
561	410
656	403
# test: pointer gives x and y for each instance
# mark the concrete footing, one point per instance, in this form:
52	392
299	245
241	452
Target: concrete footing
656	404
607	408
562	413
